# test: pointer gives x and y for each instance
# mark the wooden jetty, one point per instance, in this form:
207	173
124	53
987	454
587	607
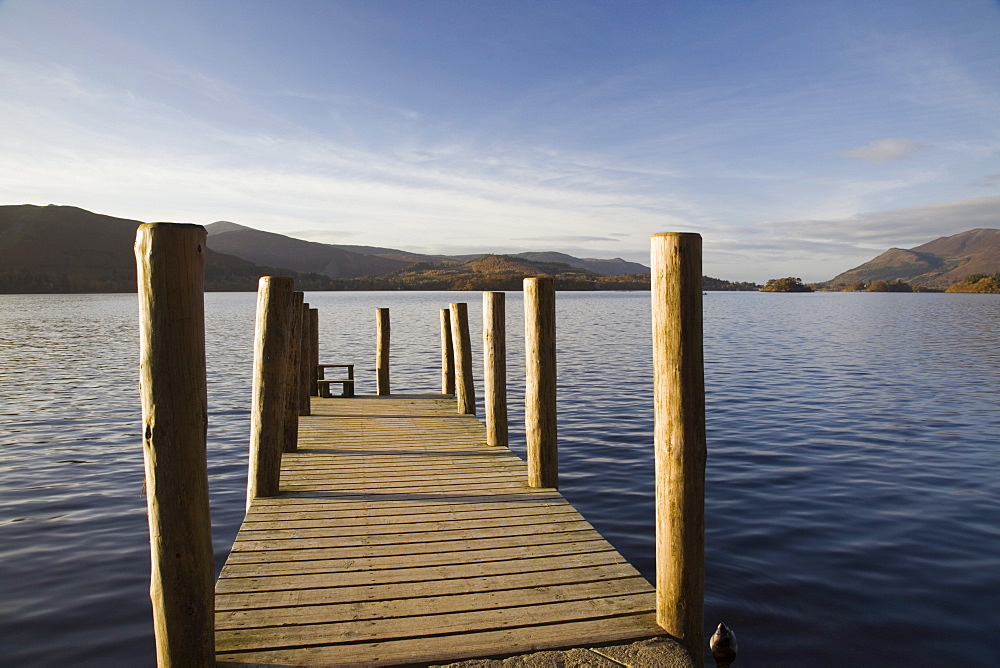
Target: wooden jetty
400	537
399	530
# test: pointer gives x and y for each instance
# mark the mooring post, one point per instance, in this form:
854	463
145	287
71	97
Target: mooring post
679	437
314	351
270	384
305	361
465	391
382	351
495	367
293	321
170	260
540	381
447	354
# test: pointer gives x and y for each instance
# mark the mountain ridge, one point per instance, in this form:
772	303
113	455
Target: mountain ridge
66	249
247	242
935	264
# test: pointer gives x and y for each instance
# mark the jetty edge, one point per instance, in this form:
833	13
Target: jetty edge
354	479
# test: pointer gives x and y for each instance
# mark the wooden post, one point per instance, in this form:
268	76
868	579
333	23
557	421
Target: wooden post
306	377
465	391
495	368
170	260
540	382
447	354
679	437
314	351
293	321
270	373
382	351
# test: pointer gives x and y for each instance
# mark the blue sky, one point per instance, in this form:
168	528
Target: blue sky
799	138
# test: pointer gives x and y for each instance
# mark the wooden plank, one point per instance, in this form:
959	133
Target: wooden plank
323	518
413	549
332	562
332	529
466	621
399	590
537	564
242	544
343	508
430	605
438	649
400	537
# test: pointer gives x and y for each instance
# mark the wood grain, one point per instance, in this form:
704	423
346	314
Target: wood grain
170	260
540	382
382	337
270	385
465	391
679	437
400	537
495	367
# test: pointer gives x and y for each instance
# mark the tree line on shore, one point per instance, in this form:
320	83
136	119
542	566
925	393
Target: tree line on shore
980	283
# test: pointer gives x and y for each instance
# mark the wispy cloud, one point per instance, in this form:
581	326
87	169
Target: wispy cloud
569	238
884	150
988	181
906	227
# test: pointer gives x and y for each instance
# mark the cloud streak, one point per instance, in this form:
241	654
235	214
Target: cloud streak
884	150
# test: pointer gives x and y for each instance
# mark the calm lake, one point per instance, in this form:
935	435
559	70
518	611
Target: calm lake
853	499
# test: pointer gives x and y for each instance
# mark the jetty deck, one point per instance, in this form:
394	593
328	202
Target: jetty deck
399	537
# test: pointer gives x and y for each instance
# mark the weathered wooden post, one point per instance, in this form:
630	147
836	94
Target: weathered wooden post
270	373
447	354
306	377
679	437
314	351
170	260
495	367
540	382
465	391
293	320
382	351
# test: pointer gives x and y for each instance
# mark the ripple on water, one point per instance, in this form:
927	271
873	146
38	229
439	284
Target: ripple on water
851	487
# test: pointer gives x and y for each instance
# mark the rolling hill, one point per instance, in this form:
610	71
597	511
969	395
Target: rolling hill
278	250
935	264
46	249
60	249
352	261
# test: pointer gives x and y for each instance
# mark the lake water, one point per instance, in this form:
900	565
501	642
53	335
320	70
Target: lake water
853	500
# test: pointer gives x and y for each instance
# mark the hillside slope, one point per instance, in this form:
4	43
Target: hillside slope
278	250
330	259
45	249
935	264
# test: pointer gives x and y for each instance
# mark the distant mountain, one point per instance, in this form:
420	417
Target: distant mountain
277	250
283	251
46	249
51	249
936	264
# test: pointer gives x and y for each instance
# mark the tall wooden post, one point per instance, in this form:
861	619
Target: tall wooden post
305	361
170	260
293	320
270	373
382	351
679	437
540	382
447	354
495	367
314	351
465	391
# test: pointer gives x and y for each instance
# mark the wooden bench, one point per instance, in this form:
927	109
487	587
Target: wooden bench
323	384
